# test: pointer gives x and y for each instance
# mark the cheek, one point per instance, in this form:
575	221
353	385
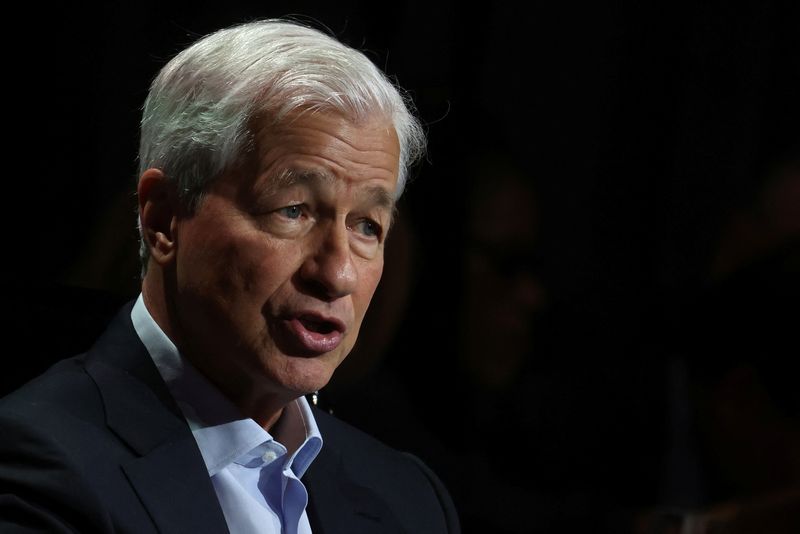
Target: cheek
368	279
258	271
223	263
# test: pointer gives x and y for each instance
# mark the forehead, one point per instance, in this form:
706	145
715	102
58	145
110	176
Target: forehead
328	149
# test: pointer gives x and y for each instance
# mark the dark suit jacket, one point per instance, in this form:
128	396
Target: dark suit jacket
97	444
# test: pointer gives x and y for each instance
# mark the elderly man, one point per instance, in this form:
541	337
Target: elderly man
271	158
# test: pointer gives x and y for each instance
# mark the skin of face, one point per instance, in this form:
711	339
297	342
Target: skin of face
264	286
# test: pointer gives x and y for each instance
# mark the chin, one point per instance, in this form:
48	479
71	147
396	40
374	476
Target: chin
304	375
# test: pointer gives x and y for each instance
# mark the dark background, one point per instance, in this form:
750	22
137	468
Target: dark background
655	138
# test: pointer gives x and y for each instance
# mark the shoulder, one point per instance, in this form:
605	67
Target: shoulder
63	392
404	482
47	426
353	444
62	463
57	413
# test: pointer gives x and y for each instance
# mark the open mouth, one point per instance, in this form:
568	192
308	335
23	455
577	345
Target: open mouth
317	325
308	334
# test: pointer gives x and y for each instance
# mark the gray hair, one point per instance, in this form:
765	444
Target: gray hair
196	118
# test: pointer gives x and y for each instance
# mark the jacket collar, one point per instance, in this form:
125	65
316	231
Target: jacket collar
167	470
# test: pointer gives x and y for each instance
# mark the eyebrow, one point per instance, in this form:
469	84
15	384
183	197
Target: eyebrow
374	196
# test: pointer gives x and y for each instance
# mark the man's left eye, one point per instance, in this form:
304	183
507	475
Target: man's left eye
292	212
368	228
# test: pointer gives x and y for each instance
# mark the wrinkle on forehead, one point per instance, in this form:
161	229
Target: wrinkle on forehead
328	152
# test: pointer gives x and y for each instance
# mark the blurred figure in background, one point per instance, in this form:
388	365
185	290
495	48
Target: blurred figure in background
502	288
736	404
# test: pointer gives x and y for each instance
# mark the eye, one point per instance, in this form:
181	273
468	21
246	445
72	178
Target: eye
291	212
369	228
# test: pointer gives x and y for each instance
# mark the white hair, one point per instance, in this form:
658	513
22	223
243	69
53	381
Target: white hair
197	115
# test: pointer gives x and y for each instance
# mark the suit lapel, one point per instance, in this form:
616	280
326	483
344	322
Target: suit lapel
175	492
167	471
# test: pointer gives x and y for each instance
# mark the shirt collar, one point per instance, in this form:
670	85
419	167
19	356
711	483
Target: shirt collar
312	443
222	433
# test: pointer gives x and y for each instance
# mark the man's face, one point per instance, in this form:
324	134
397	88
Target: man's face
275	269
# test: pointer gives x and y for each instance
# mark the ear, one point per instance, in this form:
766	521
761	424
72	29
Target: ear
158	213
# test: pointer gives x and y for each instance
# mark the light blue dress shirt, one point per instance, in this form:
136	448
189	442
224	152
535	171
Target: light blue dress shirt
257	479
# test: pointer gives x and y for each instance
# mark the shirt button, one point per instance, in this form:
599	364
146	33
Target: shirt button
269	456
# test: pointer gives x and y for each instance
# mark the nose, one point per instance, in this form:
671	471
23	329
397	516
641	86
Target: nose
328	270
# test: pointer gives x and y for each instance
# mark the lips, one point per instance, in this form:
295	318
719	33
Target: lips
310	334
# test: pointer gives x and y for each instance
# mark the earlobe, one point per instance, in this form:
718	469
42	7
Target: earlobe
158	213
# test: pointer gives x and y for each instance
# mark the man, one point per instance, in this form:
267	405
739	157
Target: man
271	158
